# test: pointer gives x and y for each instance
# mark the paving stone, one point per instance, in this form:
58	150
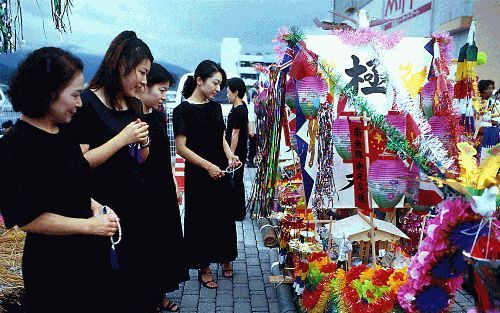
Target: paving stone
253	260
258	301
256	284
204	308
189	301
241	292
224	300
207	295
271	292
239	266
254	271
192	287
274	307
242	307
224	285
240	278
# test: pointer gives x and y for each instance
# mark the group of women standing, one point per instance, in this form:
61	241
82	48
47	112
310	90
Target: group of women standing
84	166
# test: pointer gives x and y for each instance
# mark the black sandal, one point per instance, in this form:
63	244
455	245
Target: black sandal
170	307
224	271
205	283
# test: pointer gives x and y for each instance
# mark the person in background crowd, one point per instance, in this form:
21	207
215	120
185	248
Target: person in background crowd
236	137
209	227
46	190
162	195
252	127
115	142
6	126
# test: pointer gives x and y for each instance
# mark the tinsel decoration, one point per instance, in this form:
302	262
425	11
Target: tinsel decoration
60	8
11	24
325	189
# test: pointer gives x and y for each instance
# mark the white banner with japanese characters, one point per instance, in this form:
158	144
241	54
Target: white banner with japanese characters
358	65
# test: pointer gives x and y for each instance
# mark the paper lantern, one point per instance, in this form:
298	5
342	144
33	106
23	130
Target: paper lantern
413	191
311	91
398	121
440	128
290	94
387	180
341	138
427	97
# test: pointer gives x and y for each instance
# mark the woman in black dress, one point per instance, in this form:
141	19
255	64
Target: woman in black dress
115	142
237	136
46	190
162	193
209	227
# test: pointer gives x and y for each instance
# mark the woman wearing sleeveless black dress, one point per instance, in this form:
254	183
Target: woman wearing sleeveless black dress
209	226
162	194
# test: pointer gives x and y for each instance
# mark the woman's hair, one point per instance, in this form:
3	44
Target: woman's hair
40	79
482	85
158	74
236	84
204	70
125	50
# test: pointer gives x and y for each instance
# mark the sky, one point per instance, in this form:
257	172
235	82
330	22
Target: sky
181	32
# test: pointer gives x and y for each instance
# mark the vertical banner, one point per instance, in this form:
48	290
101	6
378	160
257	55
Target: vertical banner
360	173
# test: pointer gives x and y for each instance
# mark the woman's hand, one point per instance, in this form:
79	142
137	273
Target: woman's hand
136	131
214	171
233	160
103	225
179	195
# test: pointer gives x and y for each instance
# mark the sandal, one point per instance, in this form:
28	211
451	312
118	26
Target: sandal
170	307
225	271
205	283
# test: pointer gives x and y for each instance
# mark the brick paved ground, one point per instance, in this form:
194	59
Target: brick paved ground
249	290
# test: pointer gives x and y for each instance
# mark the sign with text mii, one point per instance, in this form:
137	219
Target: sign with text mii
404	10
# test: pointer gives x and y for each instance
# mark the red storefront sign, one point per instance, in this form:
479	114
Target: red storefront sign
405	17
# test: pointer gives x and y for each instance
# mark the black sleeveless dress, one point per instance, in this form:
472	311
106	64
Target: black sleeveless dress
161	203
209	225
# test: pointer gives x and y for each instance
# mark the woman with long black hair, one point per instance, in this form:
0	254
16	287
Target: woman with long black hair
209	226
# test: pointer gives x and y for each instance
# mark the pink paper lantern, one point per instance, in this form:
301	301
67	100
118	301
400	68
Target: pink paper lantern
341	138
397	121
413	186
427	95
387	180
440	128
290	96
311	91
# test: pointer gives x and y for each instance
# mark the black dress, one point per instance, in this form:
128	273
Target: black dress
238	119
118	183
209	228
43	172
161	201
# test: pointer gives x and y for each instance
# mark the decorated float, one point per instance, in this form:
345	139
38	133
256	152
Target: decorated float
370	176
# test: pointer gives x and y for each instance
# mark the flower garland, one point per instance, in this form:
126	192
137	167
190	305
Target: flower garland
366	36
361	289
435	271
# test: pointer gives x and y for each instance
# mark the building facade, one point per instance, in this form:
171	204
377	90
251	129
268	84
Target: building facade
238	64
421	18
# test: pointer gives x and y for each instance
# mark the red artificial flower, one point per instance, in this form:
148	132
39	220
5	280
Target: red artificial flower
329	268
381	276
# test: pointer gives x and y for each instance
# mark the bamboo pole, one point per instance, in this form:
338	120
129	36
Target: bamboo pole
367	153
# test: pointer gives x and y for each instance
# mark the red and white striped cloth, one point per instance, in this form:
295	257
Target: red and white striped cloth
179	171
